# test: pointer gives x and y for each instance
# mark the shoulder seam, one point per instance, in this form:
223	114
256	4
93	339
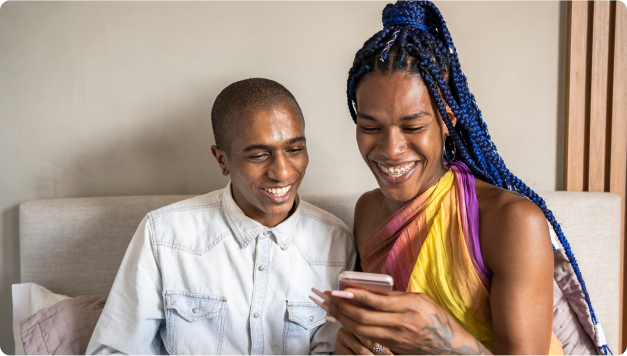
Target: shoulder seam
182	208
327	222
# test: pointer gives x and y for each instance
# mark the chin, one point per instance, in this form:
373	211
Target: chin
277	210
398	193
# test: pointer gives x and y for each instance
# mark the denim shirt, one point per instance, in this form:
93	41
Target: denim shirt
200	277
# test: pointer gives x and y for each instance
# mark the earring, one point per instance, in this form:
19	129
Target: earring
447	148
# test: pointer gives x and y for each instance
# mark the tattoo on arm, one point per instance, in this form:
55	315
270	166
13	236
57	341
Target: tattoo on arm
438	337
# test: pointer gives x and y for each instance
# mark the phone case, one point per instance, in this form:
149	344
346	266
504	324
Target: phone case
372	282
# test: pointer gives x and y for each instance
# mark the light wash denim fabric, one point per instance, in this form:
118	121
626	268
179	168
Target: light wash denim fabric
200	277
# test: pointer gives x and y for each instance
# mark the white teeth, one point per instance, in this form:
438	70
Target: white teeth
398	170
278	192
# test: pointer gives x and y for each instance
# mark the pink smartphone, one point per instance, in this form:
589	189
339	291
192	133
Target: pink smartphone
372	282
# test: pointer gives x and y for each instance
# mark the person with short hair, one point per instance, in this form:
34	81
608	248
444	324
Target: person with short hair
231	271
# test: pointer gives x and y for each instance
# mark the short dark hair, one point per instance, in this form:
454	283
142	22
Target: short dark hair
237	99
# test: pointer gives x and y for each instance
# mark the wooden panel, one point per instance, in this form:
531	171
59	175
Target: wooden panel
618	165
575	121
598	96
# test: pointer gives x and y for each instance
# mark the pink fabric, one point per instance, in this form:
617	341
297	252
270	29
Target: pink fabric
394	246
64	328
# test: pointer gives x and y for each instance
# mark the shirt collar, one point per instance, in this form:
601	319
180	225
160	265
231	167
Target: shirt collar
246	229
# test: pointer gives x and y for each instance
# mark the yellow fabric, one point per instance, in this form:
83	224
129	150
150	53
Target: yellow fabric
444	270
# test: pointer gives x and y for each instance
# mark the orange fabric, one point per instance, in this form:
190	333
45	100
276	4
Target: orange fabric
425	247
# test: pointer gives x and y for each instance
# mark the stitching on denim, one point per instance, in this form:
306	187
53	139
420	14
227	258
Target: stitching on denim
286	329
327	222
174	246
222	322
304	323
196	295
263	338
162	211
233	227
155	247
202	317
318	263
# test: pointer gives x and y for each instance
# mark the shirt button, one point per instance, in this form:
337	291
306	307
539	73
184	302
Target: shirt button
311	318
195	310
261	268
256	315
265	233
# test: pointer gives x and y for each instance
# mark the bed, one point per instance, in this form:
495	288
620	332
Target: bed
74	246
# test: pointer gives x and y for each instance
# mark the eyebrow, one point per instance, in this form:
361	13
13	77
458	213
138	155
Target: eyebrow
291	141
417	115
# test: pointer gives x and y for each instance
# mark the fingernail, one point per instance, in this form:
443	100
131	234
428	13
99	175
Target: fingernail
321	295
332	319
320	304
342	294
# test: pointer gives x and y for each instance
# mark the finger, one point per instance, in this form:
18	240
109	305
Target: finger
366	342
331	319
381	334
394	303
326	296
339	307
372	344
341	349
348	339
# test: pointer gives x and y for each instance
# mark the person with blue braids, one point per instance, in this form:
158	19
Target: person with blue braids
465	240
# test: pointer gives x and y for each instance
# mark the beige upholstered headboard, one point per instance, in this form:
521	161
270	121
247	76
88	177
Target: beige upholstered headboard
74	246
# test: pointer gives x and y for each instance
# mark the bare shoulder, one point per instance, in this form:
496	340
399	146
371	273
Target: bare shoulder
367	210
509	222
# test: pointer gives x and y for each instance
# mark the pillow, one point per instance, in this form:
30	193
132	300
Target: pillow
29	298
64	328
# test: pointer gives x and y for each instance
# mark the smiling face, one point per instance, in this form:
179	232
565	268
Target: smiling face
400	134
266	161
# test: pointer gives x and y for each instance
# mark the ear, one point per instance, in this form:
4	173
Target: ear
222	158
451	116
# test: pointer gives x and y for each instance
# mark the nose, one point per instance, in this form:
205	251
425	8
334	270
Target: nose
279	169
392	144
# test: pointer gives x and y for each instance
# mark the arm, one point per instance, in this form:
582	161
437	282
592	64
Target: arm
132	315
323	339
516	246
405	323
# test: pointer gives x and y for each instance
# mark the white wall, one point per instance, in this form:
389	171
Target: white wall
114	98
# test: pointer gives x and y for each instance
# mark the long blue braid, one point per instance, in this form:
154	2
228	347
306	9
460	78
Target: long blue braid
415	39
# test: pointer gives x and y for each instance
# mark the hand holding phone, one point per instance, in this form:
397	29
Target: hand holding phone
372	282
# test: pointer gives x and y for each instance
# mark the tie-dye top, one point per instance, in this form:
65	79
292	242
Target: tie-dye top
431	246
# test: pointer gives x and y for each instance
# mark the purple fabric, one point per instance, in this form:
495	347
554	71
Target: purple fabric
469	197
63	328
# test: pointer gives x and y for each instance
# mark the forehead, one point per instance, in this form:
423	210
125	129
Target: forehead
265	125
394	93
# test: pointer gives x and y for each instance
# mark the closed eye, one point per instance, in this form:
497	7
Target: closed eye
259	157
413	129
369	129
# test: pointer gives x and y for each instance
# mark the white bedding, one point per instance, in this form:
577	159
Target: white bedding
29	298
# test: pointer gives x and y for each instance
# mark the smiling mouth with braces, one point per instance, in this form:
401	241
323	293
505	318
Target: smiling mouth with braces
396	171
278	192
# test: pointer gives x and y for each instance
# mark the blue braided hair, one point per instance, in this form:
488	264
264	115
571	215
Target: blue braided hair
415	39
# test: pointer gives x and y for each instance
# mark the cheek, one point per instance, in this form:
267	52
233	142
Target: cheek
300	163
365	143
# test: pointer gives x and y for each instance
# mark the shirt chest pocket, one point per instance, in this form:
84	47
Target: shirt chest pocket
195	323
302	319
